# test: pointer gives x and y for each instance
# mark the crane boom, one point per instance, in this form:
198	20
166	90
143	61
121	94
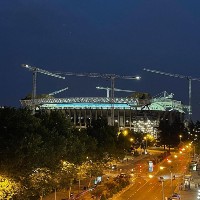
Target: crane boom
189	78
172	75
42	71
56	92
98	75
115	89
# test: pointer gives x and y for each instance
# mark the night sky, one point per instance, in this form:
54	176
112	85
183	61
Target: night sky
101	36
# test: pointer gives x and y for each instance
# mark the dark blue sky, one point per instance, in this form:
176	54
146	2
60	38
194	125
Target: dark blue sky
103	36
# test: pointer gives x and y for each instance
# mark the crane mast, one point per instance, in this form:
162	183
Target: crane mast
189	78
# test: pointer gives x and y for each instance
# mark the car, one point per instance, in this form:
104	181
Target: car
161	179
175	196
114	167
122	175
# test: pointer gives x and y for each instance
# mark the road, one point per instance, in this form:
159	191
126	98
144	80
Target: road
145	187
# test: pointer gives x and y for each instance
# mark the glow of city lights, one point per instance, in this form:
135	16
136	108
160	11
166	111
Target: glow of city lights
150	176
168	160
125	132
161	167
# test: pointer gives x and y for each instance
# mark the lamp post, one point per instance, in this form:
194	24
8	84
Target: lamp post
194	152
145	145
170	177
55	194
70	188
180	136
162	182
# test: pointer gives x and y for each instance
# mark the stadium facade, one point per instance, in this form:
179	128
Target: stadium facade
140	115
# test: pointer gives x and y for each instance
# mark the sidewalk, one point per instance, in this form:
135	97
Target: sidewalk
188	194
85	194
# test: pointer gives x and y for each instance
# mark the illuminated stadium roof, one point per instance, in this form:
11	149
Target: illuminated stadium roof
157	104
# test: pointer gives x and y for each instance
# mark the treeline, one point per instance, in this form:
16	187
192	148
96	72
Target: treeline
43	152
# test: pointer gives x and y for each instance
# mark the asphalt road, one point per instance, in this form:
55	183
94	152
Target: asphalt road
143	187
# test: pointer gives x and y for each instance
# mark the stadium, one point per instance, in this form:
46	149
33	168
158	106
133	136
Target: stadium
133	112
139	111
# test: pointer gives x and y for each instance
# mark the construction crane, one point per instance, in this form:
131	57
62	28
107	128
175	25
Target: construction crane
164	95
112	77
35	70
109	89
56	92
189	78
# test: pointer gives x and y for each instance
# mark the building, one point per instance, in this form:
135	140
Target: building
140	115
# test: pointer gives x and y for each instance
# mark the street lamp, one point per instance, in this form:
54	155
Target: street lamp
55	194
170	177
125	132
175	156
162	182
180	136
145	138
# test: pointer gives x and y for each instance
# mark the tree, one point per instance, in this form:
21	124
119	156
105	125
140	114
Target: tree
55	121
170	131
17	125
8	187
105	135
